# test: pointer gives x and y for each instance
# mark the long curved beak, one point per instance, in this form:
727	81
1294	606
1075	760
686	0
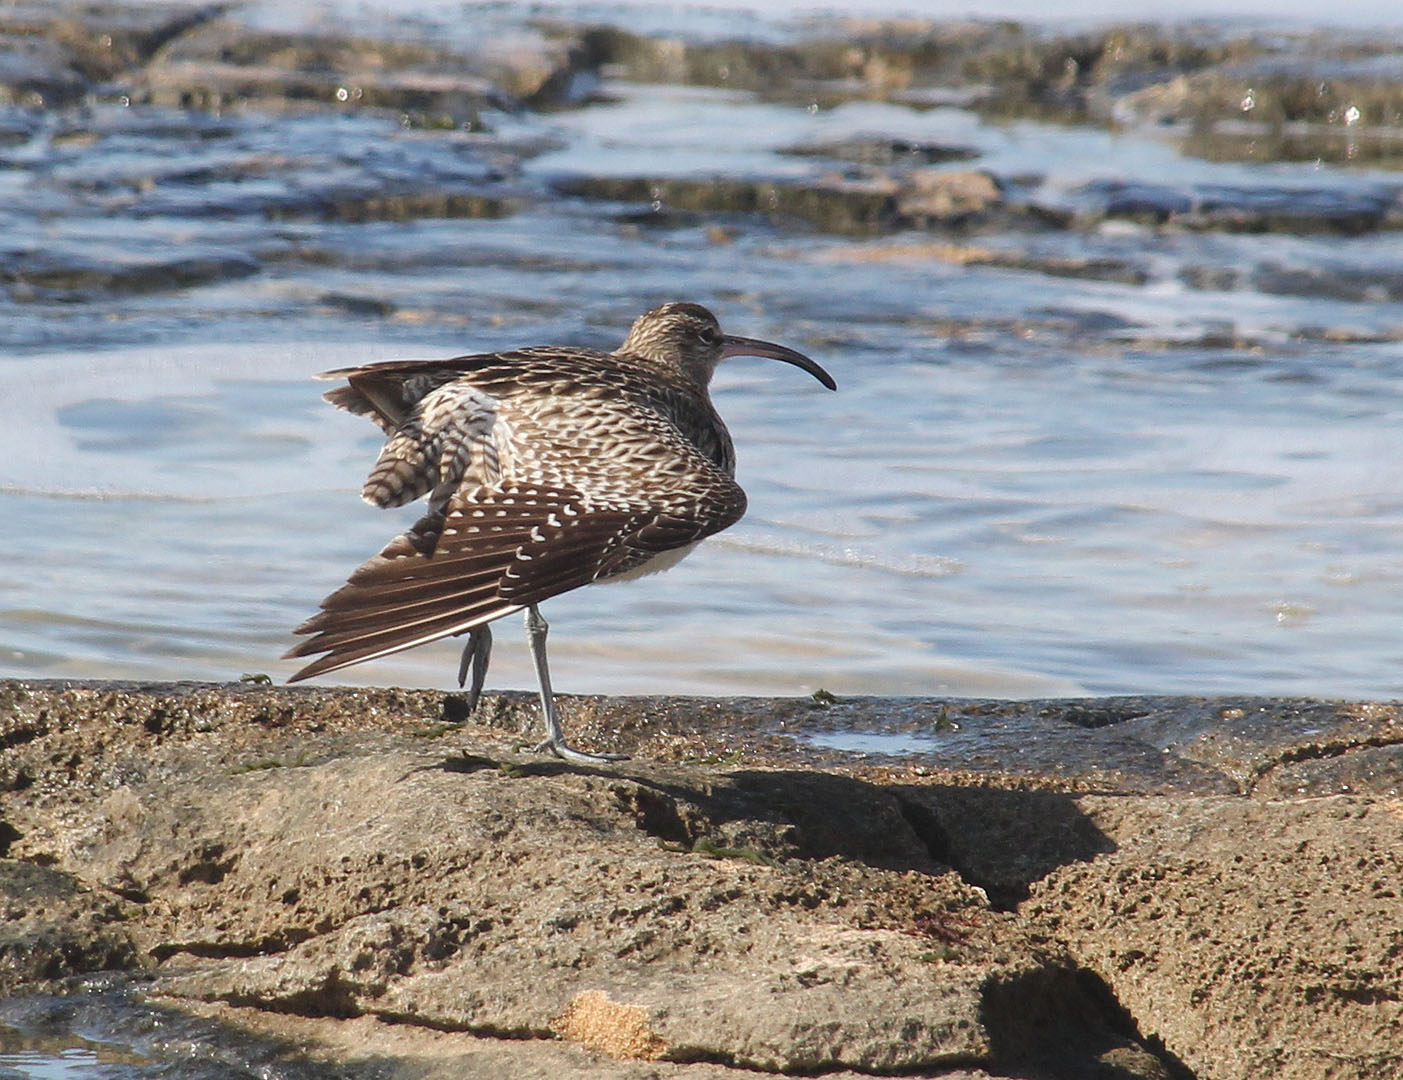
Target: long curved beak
744	346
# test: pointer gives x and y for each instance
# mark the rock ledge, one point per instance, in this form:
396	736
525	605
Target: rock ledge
1119	888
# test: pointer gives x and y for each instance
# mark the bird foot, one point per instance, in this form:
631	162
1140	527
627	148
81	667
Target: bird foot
566	752
476	655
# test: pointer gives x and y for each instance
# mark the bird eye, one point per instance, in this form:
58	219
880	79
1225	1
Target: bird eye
709	335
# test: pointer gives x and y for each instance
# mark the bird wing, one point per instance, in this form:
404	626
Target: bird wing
387	391
495	549
446	437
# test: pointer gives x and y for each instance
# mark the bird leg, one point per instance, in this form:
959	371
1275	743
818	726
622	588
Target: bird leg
477	652
536	628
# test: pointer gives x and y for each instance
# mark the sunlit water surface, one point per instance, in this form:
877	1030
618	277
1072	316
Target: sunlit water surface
1025	486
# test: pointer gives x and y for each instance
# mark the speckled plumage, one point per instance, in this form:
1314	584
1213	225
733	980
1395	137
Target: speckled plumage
545	469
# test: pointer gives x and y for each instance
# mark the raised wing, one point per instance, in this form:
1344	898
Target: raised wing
447	437
388	391
496	549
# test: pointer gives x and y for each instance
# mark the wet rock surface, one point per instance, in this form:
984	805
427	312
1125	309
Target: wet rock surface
1137	887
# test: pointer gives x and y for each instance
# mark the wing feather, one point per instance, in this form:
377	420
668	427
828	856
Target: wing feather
402	608
486	566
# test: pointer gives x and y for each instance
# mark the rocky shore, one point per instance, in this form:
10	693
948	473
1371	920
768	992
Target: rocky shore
369	883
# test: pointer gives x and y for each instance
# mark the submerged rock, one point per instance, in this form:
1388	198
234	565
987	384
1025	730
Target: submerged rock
844	208
883	151
205	57
53	55
223	63
1305	99
1224	93
50	276
1244	209
929	198
920	198
902	251
1343	282
392	206
1001	68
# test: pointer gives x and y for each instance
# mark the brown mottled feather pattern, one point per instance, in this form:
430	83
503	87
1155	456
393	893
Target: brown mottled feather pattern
546	468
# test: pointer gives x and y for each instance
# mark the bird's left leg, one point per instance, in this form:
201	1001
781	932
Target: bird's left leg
477	652
536	628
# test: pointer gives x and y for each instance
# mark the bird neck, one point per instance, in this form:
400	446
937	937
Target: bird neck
695	375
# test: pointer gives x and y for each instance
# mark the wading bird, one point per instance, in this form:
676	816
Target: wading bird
546	469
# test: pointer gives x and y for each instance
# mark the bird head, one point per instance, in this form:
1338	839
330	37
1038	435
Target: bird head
688	337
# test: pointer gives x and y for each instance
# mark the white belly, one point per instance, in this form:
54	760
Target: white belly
656	565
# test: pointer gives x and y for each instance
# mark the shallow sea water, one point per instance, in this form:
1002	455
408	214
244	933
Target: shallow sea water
1026	486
